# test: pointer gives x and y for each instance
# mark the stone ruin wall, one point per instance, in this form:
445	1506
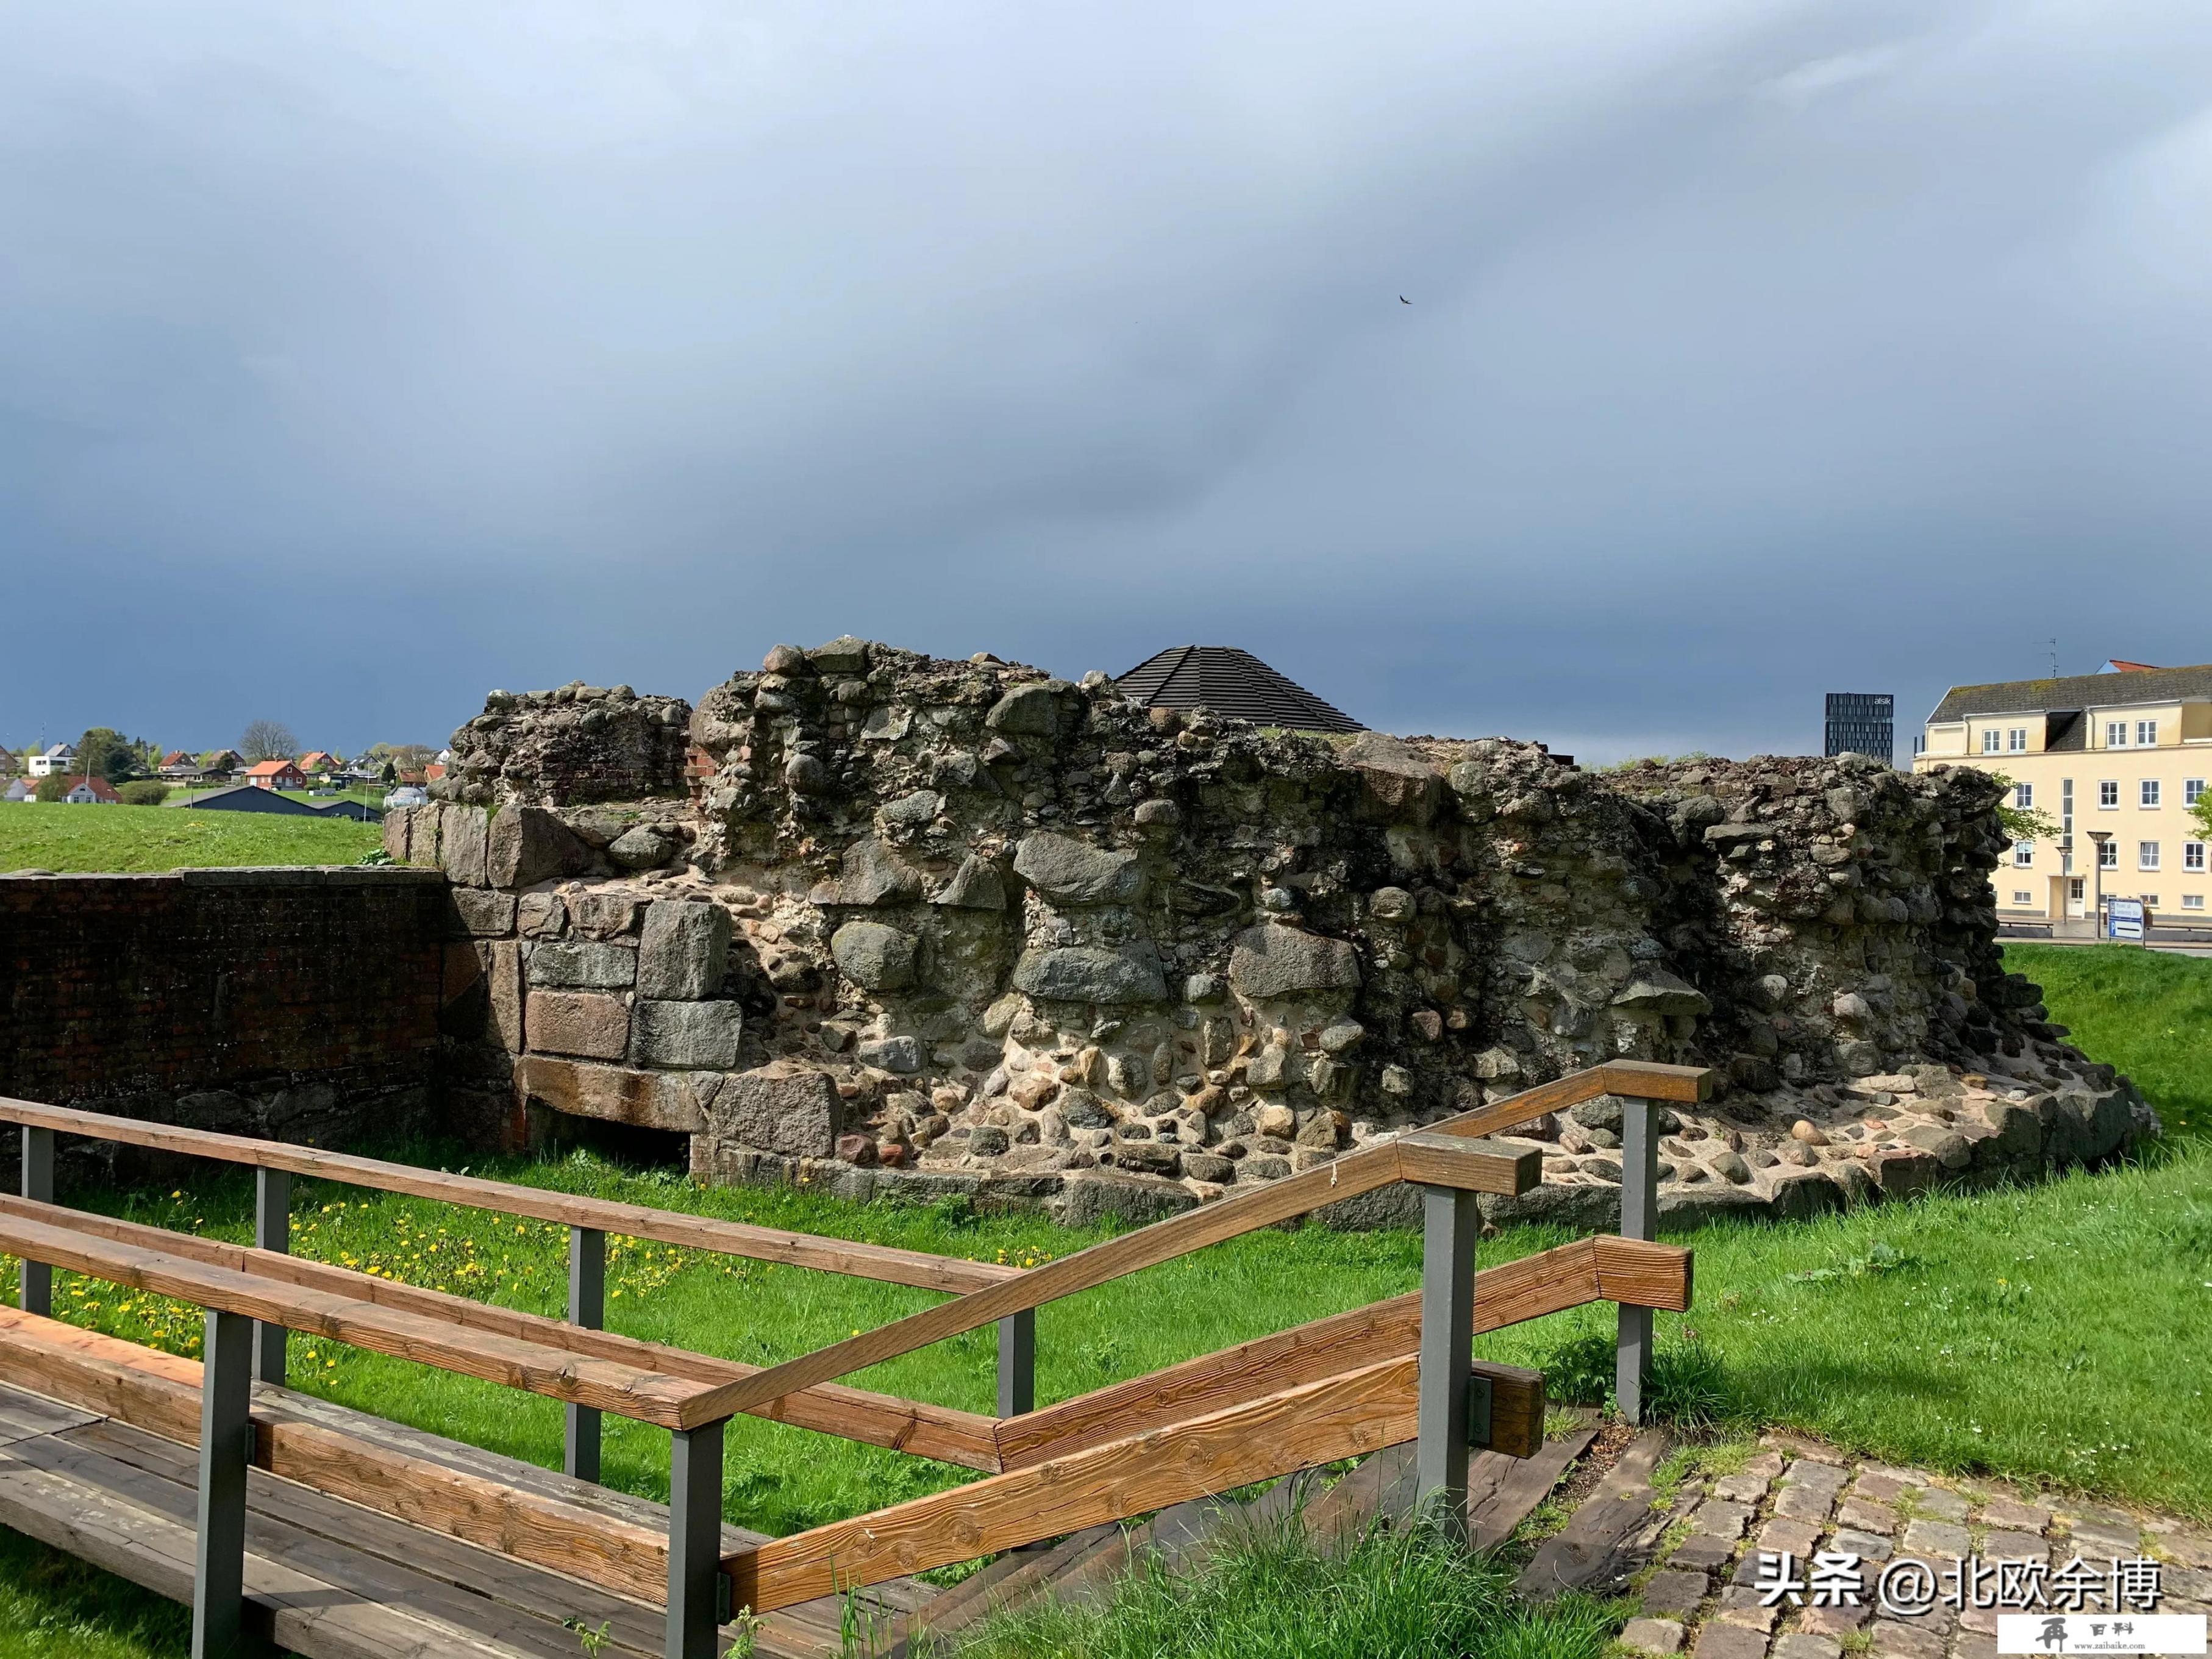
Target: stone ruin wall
885	921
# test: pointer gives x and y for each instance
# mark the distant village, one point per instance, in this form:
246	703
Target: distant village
267	772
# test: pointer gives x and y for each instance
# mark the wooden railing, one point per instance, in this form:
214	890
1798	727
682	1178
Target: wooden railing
1352	1383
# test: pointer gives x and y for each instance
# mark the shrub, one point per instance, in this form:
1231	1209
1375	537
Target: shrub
52	787
146	792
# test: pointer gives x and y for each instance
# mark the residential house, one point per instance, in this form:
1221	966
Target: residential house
22	790
47	762
93	791
2124	751
9	763
178	767
317	762
276	775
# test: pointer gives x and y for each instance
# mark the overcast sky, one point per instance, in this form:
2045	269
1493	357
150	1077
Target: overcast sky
356	360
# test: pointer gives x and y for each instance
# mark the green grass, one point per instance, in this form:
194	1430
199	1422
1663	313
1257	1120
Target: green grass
57	836
1394	1595
2148	1012
2060	1334
54	1606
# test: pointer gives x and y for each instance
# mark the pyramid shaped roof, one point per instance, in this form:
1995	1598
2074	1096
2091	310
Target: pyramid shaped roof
1231	682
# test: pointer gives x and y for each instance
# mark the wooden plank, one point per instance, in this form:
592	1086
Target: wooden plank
1511	1488
1475	1166
373	1557
1550	1281
837	1255
1602	1546
626	1390
87	1518
917	1426
1228	1218
1643	1274
1340	1416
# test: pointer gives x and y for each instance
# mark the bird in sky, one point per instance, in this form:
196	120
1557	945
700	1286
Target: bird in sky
1403	300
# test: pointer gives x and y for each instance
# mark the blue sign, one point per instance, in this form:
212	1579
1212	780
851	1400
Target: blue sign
2123	918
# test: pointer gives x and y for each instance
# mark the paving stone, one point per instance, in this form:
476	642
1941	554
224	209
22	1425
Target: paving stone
2102	1517
1932	1541
1868	1546
1800	1503
2191	1583
2190	1549
1979	1622
1674	1592
1703	1550
1898	1638
1940	1503
1721	1519
1802	1446
2015	1547
1826	1477
1751	1618
1765	1465
1881	1486
1807	1644
2013	1515
1973	1646
1860	1516
2099	1544
1652	1636
1796	1537
1835	1621
1742	1488
1719	1641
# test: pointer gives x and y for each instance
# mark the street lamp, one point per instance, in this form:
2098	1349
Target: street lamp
2096	907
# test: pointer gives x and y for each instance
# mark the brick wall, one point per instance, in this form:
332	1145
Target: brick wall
298	1003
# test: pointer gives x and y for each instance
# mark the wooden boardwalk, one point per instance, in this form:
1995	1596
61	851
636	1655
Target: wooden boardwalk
339	1580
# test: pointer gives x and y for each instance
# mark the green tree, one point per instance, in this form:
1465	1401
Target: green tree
53	786
106	752
2023	822
2203	813
146	792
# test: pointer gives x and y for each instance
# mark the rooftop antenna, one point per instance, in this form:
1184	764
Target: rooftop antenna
2053	644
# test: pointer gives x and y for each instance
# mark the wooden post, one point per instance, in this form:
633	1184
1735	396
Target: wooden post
1449	1220
272	1230
37	1279
587	1306
1017	1363
226	1452
695	1541
1640	1217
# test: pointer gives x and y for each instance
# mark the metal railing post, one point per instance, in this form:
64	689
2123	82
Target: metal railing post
1640	1217
226	1452
1448	1221
37	1280
695	1542
1018	1362
587	1306
272	1230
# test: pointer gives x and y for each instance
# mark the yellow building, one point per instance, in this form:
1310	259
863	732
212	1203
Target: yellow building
2126	751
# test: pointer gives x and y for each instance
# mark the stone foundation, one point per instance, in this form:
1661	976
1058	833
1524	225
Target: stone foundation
958	927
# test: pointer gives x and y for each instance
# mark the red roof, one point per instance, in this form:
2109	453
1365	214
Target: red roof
176	757
314	758
102	789
270	769
2135	667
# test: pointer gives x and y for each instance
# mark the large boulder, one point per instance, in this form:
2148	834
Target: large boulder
1065	871
685	950
784	1108
1274	960
873	956
1078	972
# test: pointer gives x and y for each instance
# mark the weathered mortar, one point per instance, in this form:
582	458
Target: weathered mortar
961	926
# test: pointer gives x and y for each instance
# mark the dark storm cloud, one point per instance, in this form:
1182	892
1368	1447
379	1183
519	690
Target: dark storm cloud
350	363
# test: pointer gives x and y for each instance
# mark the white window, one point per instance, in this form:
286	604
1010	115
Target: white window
2116	734
2108	855
2192	901
2192	857
2016	740
2022	896
2023	853
2108	794
1991	741
2146	734
2066	806
2023	796
2145	855
2192	791
2149	901
2147	793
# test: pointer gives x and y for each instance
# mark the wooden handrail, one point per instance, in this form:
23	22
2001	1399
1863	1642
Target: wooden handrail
1375	1166
883	1262
916	1426
649	1396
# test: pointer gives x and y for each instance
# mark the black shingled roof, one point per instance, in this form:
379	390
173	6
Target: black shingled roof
2075	691
1229	682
